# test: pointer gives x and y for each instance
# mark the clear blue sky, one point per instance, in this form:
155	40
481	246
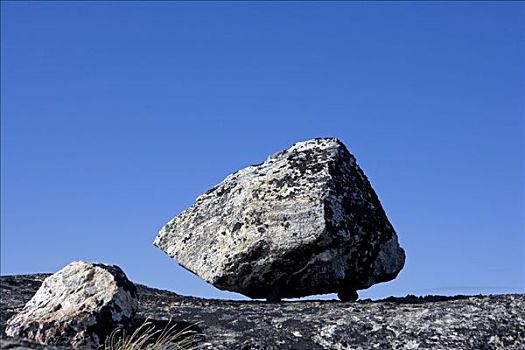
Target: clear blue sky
116	116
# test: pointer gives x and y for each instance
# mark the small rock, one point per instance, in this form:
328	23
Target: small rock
79	306
347	295
306	221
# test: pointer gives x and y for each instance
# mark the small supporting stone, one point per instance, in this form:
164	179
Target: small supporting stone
347	295
274	295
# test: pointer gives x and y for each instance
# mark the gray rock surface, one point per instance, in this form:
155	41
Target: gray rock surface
78	306
304	222
435	322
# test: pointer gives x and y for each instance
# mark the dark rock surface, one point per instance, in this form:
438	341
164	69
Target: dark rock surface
475	322
306	221
78	306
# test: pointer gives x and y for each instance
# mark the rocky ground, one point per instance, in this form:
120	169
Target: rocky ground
474	322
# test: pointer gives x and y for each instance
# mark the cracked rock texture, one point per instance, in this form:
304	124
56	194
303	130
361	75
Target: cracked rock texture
78	306
434	322
304	222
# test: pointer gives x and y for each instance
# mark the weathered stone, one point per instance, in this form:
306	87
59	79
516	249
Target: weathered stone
78	306
493	322
306	221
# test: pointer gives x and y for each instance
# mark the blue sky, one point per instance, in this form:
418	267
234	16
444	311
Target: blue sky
117	115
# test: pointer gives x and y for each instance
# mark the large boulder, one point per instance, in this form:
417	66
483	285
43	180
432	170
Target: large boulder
79	306
306	221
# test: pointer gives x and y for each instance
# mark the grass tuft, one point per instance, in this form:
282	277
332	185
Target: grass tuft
149	337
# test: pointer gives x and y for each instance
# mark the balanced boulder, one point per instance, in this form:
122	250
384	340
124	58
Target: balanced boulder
78	307
306	221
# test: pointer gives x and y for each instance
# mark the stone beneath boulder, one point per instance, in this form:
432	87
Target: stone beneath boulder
79	306
306	221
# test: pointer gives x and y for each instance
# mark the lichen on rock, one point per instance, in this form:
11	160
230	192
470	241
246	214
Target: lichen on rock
306	221
78	306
